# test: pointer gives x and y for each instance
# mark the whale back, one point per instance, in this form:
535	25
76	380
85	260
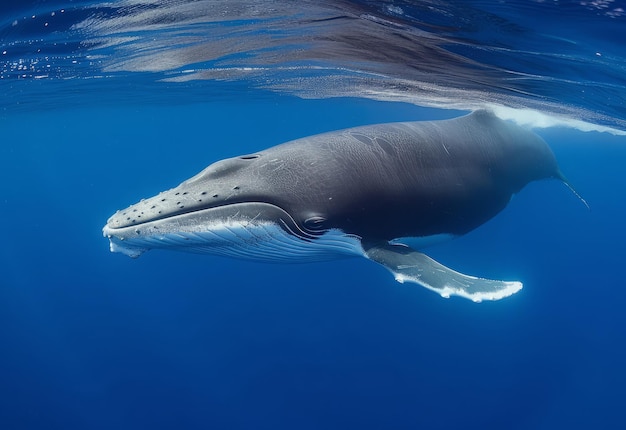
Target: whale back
402	179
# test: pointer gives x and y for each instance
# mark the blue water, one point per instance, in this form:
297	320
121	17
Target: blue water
94	340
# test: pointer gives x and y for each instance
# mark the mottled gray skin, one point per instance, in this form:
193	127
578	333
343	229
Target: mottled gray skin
379	182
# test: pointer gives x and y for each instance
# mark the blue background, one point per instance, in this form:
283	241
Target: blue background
94	340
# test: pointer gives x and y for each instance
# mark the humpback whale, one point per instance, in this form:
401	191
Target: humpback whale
382	192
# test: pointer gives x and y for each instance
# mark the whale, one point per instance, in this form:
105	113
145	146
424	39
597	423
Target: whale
383	192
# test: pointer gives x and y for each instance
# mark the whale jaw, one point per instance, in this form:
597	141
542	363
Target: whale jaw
252	231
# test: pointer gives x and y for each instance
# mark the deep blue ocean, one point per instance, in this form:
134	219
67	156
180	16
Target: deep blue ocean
102	104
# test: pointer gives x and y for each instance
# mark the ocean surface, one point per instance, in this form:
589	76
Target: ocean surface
105	103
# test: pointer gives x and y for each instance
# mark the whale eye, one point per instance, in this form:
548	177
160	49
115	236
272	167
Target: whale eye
315	222
249	157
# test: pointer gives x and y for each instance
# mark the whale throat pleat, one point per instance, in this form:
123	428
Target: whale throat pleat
261	241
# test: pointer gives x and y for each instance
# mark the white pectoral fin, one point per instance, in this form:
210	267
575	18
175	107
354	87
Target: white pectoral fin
408	265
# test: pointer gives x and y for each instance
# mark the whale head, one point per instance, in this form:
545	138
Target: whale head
226	210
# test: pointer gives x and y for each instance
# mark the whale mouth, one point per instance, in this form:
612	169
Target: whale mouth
151	210
252	230
219	225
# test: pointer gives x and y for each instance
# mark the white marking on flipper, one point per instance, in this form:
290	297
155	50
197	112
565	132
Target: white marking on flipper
408	265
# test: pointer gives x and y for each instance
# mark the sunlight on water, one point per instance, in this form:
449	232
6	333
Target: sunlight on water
428	53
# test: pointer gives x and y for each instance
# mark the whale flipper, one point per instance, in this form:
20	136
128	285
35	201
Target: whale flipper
408	265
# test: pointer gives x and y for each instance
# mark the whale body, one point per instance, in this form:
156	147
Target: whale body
381	192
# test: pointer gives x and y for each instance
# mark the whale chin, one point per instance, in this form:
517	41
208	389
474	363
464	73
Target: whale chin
252	231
